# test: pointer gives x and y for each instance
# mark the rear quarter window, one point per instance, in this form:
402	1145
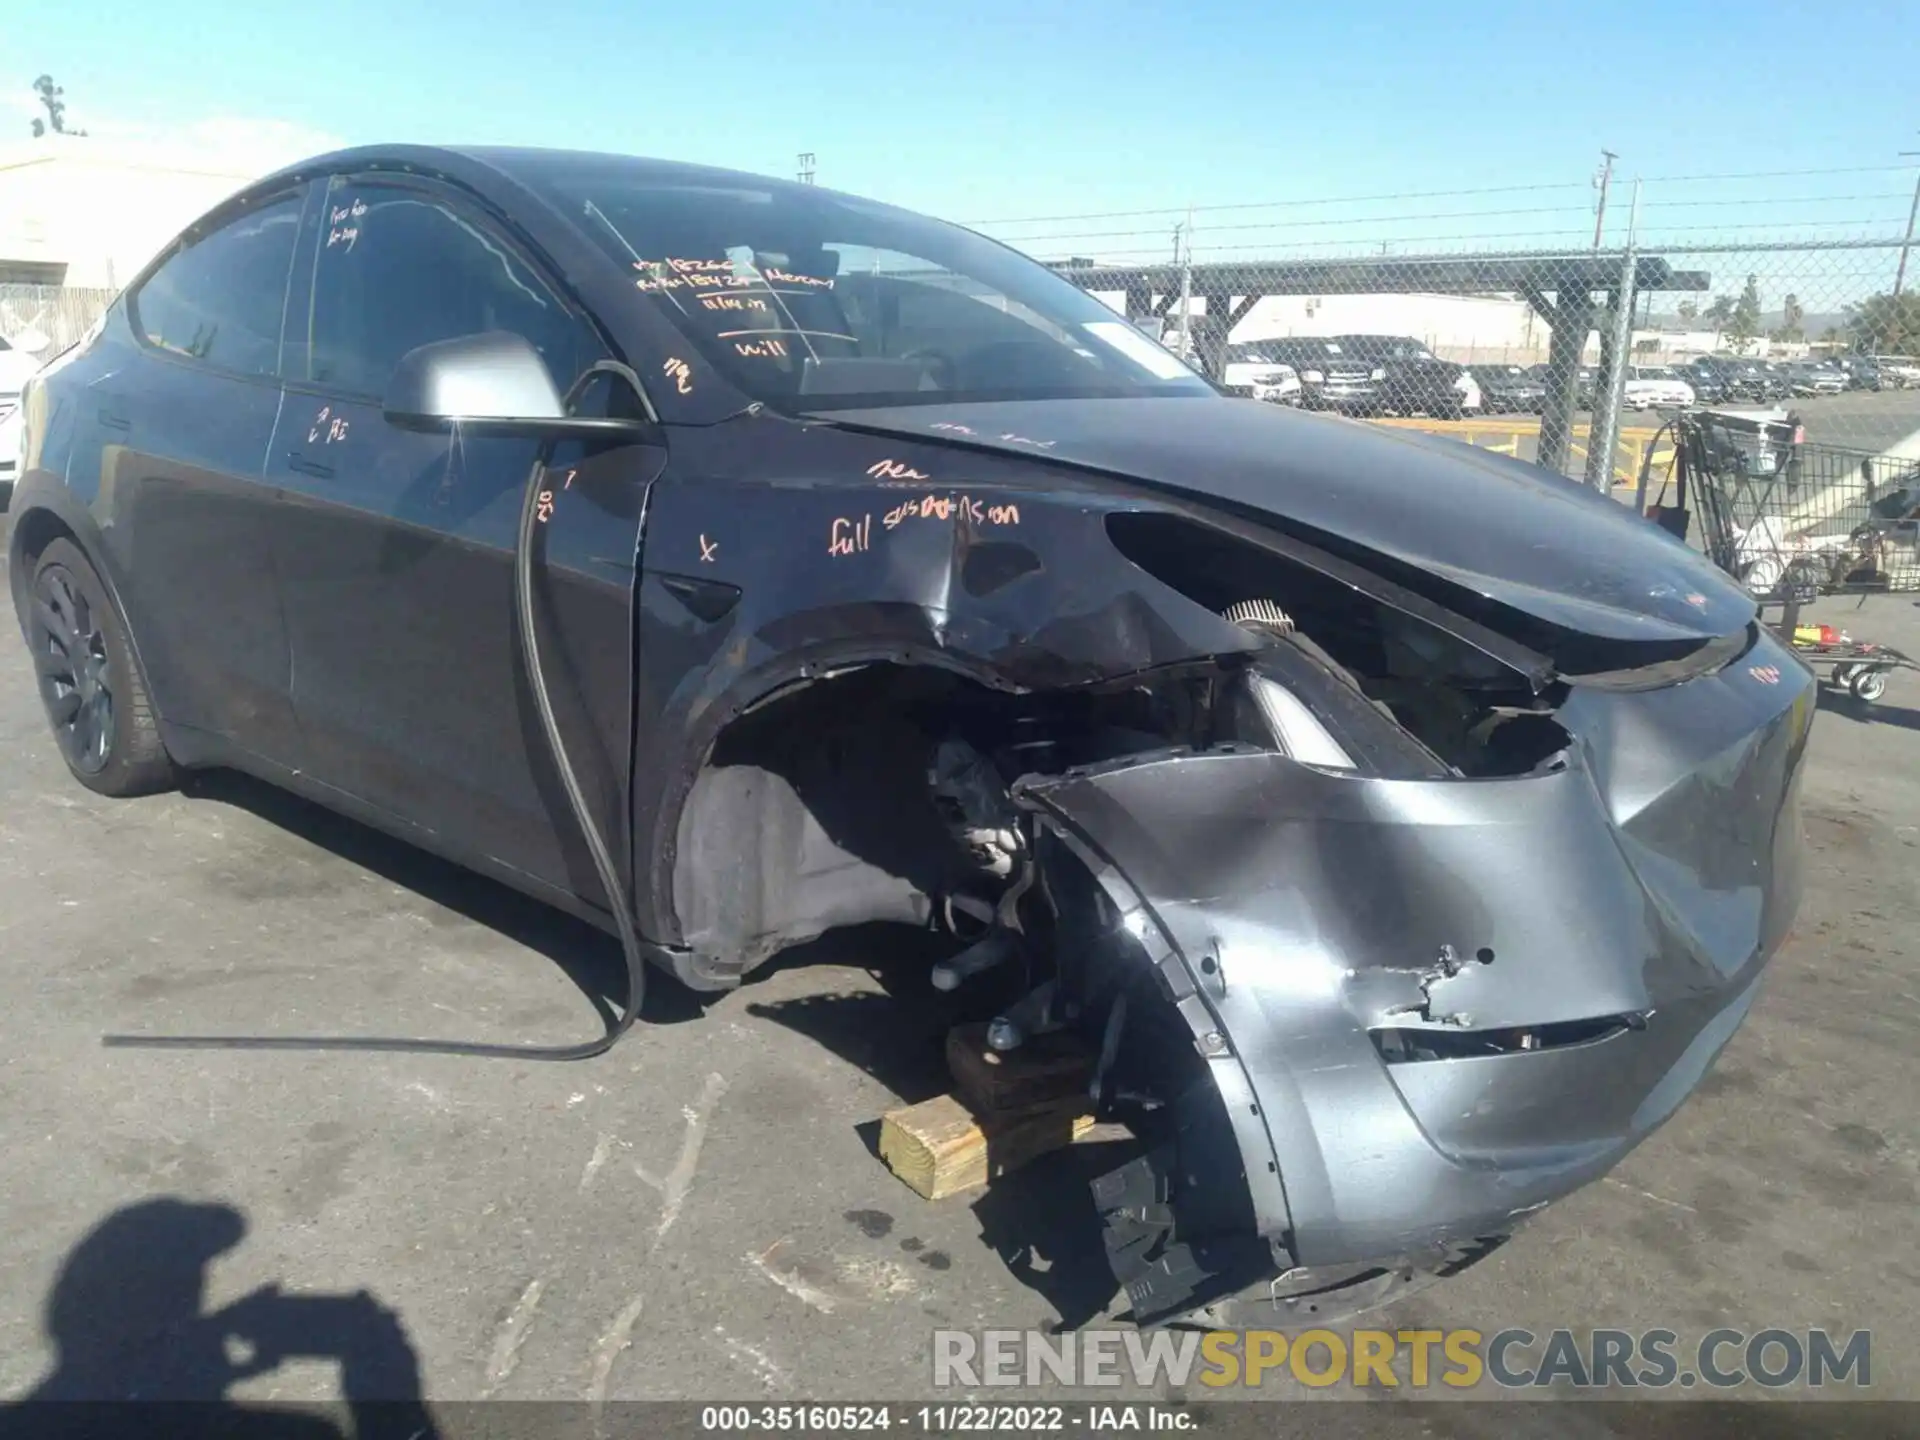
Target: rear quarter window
221	299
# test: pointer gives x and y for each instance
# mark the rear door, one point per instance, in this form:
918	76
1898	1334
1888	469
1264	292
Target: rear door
396	548
182	430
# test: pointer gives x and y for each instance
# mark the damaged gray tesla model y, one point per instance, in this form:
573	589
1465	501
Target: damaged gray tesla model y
1404	827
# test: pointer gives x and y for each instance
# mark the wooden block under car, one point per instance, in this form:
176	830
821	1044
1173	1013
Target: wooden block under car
940	1148
1047	1070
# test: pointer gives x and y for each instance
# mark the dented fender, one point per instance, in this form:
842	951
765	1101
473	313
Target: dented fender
1632	889
857	552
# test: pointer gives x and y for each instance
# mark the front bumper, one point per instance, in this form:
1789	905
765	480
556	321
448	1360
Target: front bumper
1423	399
1305	921
1342	395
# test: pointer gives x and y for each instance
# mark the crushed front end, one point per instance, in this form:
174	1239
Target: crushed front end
1420	1009
1402	829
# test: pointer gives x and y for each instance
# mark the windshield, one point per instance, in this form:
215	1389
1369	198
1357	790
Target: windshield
1254	353
809	300
1387	347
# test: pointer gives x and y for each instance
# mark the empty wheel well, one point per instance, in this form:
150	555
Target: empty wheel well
819	808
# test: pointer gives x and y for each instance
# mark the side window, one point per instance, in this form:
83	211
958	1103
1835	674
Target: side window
221	299
396	268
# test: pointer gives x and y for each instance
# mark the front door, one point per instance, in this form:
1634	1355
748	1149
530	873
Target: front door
395	548
184	427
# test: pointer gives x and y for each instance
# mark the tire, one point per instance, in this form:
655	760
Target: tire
1868	685
94	696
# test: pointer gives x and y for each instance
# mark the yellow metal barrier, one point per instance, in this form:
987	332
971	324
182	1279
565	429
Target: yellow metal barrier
1503	436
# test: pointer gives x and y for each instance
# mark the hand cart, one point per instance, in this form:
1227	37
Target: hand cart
1792	521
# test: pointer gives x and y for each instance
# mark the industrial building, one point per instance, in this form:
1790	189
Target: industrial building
87	212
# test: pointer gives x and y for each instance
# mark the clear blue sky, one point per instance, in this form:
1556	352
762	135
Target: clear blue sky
1018	108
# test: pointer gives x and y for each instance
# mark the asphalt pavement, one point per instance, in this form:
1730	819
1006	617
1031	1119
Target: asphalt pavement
1874	421
699	1213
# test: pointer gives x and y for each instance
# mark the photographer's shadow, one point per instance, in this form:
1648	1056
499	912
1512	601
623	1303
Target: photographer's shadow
128	1323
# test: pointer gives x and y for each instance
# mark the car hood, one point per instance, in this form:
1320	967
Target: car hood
1504	529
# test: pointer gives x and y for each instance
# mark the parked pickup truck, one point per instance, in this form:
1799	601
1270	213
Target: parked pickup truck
1413	379
1330	377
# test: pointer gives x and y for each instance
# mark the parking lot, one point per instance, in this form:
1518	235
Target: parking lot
699	1214
1863	420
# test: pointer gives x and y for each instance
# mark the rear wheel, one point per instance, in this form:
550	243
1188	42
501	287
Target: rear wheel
92	690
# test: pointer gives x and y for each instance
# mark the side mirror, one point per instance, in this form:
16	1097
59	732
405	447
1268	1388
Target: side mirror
491	384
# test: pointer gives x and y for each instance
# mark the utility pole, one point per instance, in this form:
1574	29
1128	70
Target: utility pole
805	177
1601	181
1900	275
1183	257
1616	349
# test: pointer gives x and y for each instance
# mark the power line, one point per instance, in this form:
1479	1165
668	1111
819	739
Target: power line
1180	210
1270	204
1454	215
1293	224
1730	247
1776	174
1365	220
1364	237
1771	200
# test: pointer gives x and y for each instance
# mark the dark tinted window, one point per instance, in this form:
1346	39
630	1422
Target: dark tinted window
397	268
220	300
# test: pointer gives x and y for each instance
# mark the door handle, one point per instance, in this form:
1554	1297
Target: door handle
296	461
111	421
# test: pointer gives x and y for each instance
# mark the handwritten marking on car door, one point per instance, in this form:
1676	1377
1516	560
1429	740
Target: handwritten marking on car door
343	224
327	427
896	470
850	537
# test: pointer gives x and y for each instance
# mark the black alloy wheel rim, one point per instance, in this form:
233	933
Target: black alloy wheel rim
70	654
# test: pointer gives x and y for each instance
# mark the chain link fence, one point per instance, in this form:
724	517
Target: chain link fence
1515	319
43	320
